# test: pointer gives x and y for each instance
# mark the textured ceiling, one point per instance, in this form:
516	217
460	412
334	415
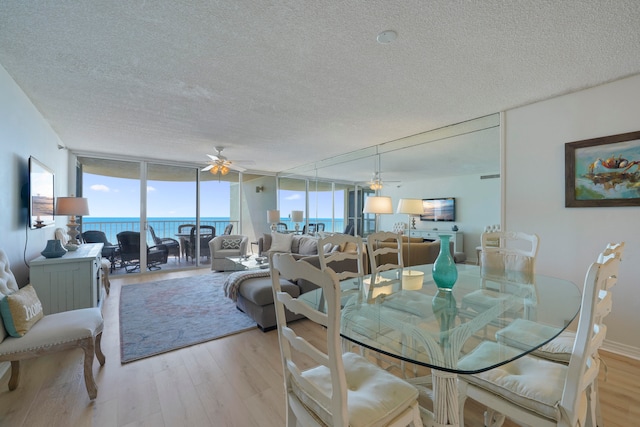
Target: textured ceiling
285	83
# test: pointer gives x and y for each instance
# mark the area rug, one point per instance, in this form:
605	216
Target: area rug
157	317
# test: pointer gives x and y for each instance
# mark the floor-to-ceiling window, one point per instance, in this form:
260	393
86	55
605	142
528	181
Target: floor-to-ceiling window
173	200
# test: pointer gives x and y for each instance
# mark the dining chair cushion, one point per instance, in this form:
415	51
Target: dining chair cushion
374	395
518	381
522	331
21	310
559	349
281	242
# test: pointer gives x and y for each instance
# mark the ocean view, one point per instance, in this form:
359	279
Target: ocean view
168	226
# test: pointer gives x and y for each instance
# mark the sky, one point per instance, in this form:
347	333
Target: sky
120	197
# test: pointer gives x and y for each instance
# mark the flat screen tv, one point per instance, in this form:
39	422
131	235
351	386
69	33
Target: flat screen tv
442	209
41	194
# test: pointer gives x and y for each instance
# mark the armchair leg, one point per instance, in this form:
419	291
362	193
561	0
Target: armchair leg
89	349
99	353
15	375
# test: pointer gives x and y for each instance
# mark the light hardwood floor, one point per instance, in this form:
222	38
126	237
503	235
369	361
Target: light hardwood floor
233	381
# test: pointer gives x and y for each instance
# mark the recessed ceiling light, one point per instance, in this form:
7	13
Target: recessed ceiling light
387	36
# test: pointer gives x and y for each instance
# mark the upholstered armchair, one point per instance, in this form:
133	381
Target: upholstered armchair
225	246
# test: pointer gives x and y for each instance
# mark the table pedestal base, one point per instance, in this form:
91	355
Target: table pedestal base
445	399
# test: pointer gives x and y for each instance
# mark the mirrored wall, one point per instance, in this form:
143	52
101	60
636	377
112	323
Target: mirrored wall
460	161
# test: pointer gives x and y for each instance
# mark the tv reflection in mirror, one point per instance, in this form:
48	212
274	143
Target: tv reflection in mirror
41	194
442	209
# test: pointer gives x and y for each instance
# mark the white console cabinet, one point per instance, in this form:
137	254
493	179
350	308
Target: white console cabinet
69	282
455	236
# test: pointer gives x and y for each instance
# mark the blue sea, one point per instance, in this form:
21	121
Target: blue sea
168	226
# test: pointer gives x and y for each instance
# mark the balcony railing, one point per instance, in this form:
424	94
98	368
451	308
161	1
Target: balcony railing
162	228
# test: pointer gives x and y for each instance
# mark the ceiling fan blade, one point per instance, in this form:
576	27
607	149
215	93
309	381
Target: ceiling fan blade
214	158
206	169
236	167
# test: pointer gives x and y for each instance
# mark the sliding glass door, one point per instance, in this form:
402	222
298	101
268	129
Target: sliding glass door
163	203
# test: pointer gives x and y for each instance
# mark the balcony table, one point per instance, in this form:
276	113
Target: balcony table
430	328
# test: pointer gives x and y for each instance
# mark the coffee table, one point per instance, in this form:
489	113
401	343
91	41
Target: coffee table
248	262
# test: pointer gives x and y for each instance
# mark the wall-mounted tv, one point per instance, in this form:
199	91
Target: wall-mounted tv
41	194
442	209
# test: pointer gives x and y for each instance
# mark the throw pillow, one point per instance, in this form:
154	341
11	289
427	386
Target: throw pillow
281	242
329	248
350	247
20	311
231	243
308	247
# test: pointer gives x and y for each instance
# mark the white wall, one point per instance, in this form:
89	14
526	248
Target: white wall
477	205
571	238
23	133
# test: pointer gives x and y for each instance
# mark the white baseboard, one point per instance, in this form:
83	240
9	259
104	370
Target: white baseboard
621	349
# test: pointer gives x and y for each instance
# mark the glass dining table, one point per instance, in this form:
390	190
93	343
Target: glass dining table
438	328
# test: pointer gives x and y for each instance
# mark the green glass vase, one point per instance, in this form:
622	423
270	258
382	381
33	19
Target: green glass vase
444	269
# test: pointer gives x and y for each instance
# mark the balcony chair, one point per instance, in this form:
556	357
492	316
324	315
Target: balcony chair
228	229
343	389
173	246
106	265
207	232
539	392
349	229
67	330
110	251
281	227
129	242
183	231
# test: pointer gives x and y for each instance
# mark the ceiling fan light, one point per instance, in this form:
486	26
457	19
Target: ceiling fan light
214	170
224	170
377	185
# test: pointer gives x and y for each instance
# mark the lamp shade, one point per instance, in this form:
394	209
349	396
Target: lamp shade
273	216
77	206
378	205
297	216
410	206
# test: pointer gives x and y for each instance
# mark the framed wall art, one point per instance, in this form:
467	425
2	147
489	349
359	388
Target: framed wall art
603	171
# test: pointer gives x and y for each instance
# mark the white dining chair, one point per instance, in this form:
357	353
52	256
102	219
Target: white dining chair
342	389
387	257
339	248
510	262
560	348
540	392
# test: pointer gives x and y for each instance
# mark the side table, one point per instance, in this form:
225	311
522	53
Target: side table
71	281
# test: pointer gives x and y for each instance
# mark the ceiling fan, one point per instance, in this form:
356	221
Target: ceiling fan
220	165
376	182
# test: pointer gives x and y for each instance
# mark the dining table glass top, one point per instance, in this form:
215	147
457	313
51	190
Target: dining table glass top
437	328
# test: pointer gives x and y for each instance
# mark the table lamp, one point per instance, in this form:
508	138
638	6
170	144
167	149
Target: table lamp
410	279
378	205
273	217
72	206
297	217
